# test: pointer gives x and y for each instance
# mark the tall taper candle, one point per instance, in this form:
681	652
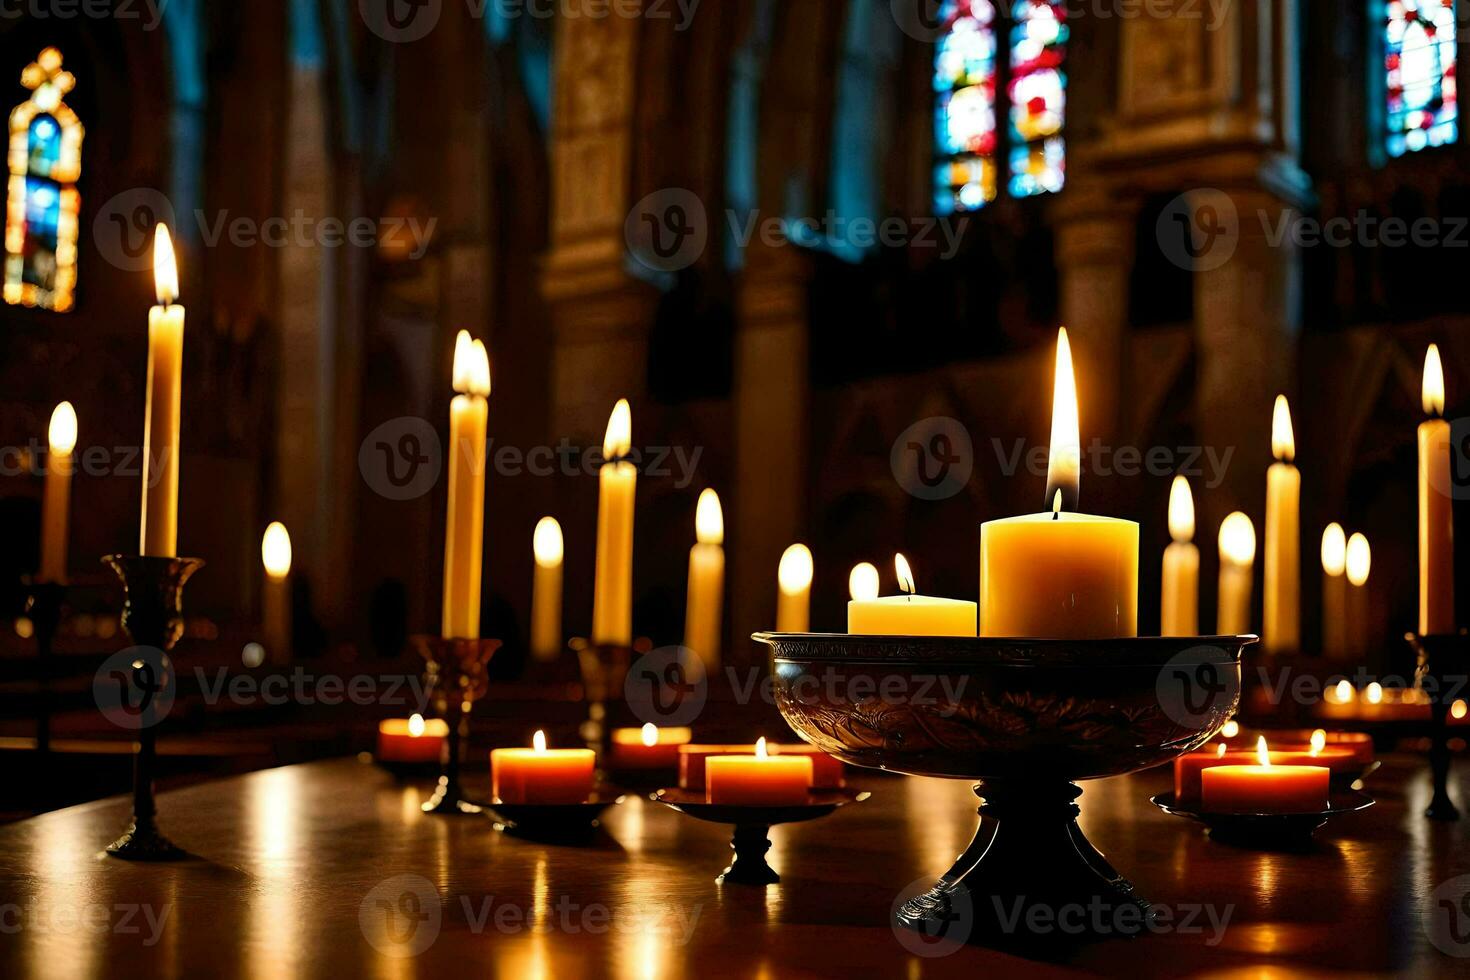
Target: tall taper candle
464	528
1237	568
61	438
1359	564
1282	632
706	599
1436	518
1179	603
1334	591
612	593
549	549
275	600
794	590
159	527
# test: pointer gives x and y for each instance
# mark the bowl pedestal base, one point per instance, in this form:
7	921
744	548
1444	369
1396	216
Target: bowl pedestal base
1030	875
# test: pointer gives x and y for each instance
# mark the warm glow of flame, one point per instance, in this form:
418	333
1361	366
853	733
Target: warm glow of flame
650	734
1231	729
1459	709
471	366
275	550
795	572
1374	693
547	543
1334	549
709	519
1359	560
1319	741
1056	503
1283	440
62	435
862	583
416	726
1220	751
165	267
538	741
1064	466
1433	383
905	574
1263	754
619	438
1343	692
1181	511
1238	539
760	748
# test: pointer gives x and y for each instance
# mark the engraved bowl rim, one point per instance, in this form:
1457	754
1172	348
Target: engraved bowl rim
969	652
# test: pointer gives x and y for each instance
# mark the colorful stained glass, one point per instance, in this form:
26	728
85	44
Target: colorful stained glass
1420	66
42	204
964	123
1038	96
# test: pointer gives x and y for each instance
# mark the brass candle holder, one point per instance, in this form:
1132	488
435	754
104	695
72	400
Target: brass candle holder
1441	661
43	607
153	618
455	672
604	670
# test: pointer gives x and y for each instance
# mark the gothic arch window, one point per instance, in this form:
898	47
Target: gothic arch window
1420	70
969	145
42	204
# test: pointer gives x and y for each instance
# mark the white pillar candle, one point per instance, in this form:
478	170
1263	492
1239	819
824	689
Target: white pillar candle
794	590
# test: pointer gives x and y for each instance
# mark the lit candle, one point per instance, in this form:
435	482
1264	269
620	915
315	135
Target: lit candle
910	614
411	740
1060	573
702	611
863	582
612	600
541	775
1436	518
757	780
61	437
275	600
1281	629
1360	744
649	747
827	772
1237	567
464	528
794	590
159	528
548	548
1180	600
1359	564
1334	591
1188	767
1264	787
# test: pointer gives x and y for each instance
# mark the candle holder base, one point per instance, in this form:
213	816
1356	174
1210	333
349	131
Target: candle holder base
554	821
455	674
43	606
1266	831
143	842
1438	658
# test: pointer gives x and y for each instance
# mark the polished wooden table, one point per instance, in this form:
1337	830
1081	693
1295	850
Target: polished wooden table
329	869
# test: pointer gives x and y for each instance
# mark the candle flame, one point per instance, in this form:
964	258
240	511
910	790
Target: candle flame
165	267
1220	751
1459	709
1064	466
862	583
1374	693
471	366
1056	505
1238	539
1231	728
795	572
275	550
1343	692
760	748
1334	549
905	574
416	726
62	433
547	543
1263	754
1433	383
1181	511
650	734
709	519
1283	439
1319	741
1359	560
619	438
538	741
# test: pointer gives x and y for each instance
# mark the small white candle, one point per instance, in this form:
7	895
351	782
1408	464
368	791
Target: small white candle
794	590
1180	599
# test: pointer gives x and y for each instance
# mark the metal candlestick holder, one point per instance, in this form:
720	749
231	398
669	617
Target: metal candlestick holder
604	670
1441	661
153	618
455	672
43	606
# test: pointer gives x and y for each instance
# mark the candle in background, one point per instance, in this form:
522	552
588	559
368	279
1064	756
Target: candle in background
1339	759
541	775
1061	573
1281	624
1334	591
1180	600
61	437
159	528
411	740
275	598
794	590
464	528
548	548
1436	518
863	583
1359	563
910	614
706	599
757	780
612	599
1237	568
1264	787
649	747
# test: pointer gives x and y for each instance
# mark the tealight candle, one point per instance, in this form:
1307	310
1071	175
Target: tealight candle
761	779
1264	787
541	775
649	747
412	740
910	614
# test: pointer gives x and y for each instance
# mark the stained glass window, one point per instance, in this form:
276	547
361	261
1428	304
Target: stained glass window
42	202
964	124
1419	61
1038	96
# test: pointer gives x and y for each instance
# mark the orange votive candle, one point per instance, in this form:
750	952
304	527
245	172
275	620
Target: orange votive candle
649	747
693	757
1187	768
411	739
827	772
541	775
761	779
1264	787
